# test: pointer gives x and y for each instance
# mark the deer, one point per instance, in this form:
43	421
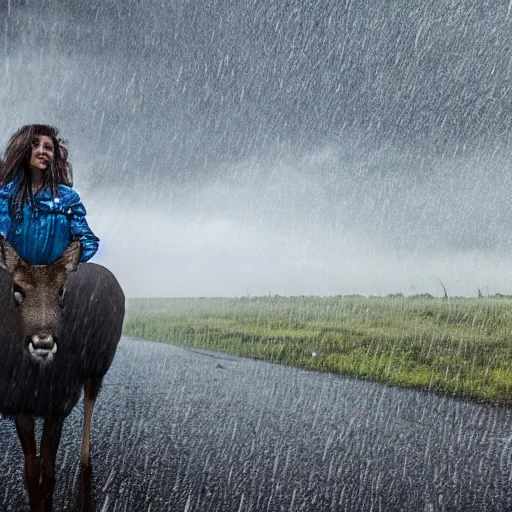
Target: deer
59	329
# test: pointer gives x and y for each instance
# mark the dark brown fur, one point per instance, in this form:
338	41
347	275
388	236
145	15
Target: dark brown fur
86	323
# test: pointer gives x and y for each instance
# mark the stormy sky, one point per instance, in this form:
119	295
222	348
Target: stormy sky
231	148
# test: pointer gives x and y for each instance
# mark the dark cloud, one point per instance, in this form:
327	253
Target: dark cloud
238	76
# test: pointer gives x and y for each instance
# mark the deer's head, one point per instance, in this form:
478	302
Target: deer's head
38	295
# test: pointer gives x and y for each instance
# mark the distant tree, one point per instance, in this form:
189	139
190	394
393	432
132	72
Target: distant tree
422	296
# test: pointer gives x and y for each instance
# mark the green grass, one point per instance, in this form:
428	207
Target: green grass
462	347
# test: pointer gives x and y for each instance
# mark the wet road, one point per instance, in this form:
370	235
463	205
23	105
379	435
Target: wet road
182	430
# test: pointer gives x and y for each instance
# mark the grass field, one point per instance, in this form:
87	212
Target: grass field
461	347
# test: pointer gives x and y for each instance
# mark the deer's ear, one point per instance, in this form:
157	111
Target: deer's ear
71	256
8	256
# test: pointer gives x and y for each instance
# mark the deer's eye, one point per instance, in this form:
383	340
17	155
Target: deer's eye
19	294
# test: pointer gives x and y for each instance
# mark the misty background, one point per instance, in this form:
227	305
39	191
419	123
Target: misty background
232	148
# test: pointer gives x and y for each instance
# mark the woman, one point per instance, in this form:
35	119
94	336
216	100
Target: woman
40	213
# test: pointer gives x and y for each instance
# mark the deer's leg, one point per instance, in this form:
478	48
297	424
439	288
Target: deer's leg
52	431
84	503
91	389
25	429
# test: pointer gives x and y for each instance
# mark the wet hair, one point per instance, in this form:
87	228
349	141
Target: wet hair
17	156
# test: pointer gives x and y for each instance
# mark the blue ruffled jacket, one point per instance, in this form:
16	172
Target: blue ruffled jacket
41	234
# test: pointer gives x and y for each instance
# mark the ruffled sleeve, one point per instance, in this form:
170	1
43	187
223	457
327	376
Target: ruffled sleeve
79	227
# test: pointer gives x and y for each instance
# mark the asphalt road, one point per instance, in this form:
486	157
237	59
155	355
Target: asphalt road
183	430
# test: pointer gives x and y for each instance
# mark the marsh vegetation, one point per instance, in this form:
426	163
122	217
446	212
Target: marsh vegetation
459	346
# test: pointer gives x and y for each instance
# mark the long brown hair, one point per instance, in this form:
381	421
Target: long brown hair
17	156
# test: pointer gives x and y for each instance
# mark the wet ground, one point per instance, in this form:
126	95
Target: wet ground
182	430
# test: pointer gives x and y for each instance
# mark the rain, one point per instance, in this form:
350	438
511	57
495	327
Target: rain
353	147
254	148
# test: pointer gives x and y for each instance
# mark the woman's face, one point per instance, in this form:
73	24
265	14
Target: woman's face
42	152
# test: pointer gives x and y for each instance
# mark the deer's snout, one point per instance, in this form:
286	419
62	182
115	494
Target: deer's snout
42	347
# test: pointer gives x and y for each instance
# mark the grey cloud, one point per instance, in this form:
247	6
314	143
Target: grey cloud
369	136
